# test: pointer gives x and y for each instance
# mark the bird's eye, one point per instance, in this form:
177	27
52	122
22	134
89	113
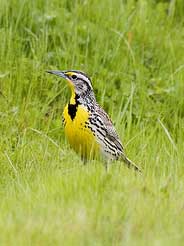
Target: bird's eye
74	76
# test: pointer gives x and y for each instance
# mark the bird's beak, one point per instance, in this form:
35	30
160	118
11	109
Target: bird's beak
58	73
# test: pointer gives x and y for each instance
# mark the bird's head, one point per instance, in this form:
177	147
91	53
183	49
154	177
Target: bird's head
78	81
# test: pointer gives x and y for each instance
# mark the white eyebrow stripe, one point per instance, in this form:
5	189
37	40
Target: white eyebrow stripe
81	76
84	78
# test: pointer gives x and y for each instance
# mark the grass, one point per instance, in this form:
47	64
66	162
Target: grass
133	50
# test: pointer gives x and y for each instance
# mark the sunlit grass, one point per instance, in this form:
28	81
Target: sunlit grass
134	53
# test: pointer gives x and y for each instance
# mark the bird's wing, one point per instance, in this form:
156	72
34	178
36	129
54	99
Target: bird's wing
100	117
110	130
112	135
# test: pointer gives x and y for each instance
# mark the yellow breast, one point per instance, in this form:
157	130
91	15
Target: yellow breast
78	133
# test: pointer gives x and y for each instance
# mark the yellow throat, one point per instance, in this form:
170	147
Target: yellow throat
76	120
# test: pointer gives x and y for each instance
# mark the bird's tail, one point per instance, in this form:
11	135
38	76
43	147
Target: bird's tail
131	164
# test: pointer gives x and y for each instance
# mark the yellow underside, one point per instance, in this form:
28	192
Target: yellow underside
80	138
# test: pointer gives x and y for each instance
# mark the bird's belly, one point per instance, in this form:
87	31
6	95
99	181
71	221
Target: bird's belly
80	136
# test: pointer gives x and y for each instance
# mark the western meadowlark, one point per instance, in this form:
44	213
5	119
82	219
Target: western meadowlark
87	126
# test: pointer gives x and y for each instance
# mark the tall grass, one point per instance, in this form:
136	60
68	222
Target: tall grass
134	53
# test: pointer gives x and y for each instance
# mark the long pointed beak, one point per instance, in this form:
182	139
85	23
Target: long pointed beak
58	73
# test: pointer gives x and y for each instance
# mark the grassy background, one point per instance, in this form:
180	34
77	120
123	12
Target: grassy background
134	52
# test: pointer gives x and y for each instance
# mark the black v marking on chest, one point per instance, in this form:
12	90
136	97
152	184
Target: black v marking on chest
72	108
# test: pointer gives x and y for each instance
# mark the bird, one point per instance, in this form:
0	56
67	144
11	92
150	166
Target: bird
88	128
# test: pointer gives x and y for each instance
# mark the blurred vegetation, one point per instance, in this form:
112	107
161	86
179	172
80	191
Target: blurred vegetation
134	53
